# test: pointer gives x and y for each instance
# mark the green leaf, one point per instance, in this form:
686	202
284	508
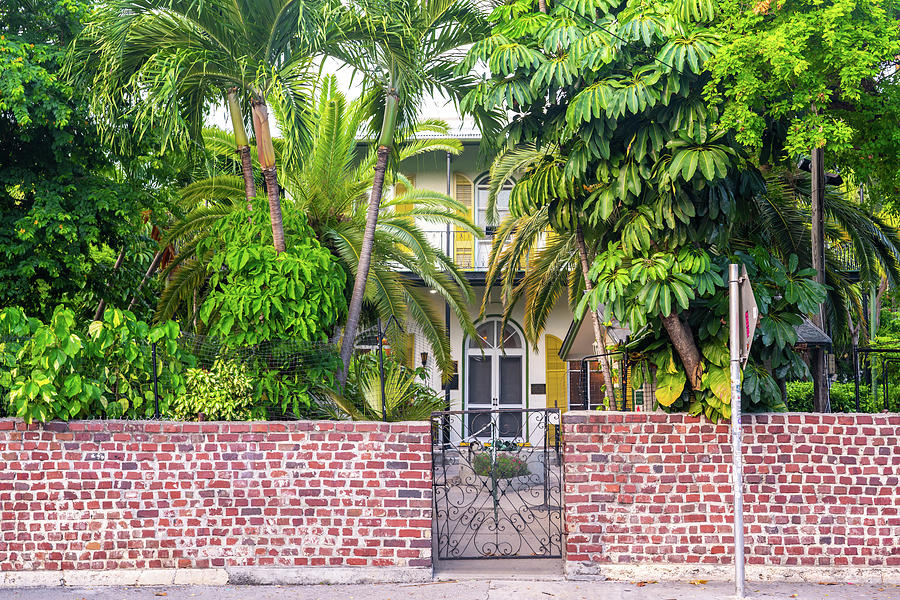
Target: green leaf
669	386
718	380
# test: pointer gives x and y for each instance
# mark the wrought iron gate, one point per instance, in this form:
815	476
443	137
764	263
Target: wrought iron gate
497	483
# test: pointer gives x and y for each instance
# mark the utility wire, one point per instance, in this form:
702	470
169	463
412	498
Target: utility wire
620	38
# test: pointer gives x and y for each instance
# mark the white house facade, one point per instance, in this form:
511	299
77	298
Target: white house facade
502	369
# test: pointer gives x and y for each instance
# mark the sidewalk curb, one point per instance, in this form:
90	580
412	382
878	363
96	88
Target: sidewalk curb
216	577
114	577
754	573
326	575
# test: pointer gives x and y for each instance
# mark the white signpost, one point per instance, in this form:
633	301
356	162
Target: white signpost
743	314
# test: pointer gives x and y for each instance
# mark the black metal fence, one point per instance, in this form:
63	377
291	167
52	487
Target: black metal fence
876	376
497	478
589	390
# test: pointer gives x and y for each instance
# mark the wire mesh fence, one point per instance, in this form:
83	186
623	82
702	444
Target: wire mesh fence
192	377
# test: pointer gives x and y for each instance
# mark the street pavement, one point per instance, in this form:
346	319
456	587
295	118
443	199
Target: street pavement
470	590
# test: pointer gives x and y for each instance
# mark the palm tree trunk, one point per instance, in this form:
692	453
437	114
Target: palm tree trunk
243	147
385	142
542	6
101	308
683	341
266	153
599	329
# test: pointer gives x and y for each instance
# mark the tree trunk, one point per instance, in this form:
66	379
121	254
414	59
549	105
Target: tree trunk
599	329
243	147
385	142
365	259
247	174
101	308
542	6
882	288
150	270
684	344
266	153
821	401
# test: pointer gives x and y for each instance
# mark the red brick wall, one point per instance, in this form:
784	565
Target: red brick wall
113	494
654	488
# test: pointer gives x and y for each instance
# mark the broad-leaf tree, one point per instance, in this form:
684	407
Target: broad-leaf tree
632	157
612	137
68	206
791	76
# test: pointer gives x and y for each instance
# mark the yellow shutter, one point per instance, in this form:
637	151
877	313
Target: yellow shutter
463	241
557	379
399	190
410	351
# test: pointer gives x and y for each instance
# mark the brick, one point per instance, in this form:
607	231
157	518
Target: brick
820	490
213	495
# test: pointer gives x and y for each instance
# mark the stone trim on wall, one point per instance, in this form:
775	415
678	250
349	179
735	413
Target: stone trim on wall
181	497
653	490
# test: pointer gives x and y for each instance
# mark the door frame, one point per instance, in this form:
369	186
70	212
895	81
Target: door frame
495	354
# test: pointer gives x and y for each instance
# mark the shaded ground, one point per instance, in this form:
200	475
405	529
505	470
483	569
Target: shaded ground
468	590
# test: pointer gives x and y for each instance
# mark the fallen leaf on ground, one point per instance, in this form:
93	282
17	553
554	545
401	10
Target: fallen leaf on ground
160	594
698	581
642	583
828	583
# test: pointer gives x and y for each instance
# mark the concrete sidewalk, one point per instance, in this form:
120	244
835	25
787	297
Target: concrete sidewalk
497	589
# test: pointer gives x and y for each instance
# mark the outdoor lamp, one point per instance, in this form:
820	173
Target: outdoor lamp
424	357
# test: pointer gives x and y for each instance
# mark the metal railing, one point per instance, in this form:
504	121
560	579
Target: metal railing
846	257
469	252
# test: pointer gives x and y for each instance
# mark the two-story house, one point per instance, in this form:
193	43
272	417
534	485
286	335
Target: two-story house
502	369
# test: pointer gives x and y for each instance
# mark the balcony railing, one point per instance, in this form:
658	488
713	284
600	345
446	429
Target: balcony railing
470	253
846	257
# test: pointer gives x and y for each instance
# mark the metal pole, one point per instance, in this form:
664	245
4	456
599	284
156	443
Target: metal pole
856	373
446	426
873	330
155	384
381	369
734	314
584	384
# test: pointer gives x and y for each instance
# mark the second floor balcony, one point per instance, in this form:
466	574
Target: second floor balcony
470	253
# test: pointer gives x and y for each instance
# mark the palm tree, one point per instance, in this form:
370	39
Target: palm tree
330	186
404	49
405	399
779	220
163	63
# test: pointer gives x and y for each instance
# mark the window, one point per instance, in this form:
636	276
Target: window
481	203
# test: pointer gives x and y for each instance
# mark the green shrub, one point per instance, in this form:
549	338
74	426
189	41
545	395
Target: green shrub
61	370
223	393
258	294
843	398
506	466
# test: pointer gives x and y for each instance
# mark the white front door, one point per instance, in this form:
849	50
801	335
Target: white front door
495	378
